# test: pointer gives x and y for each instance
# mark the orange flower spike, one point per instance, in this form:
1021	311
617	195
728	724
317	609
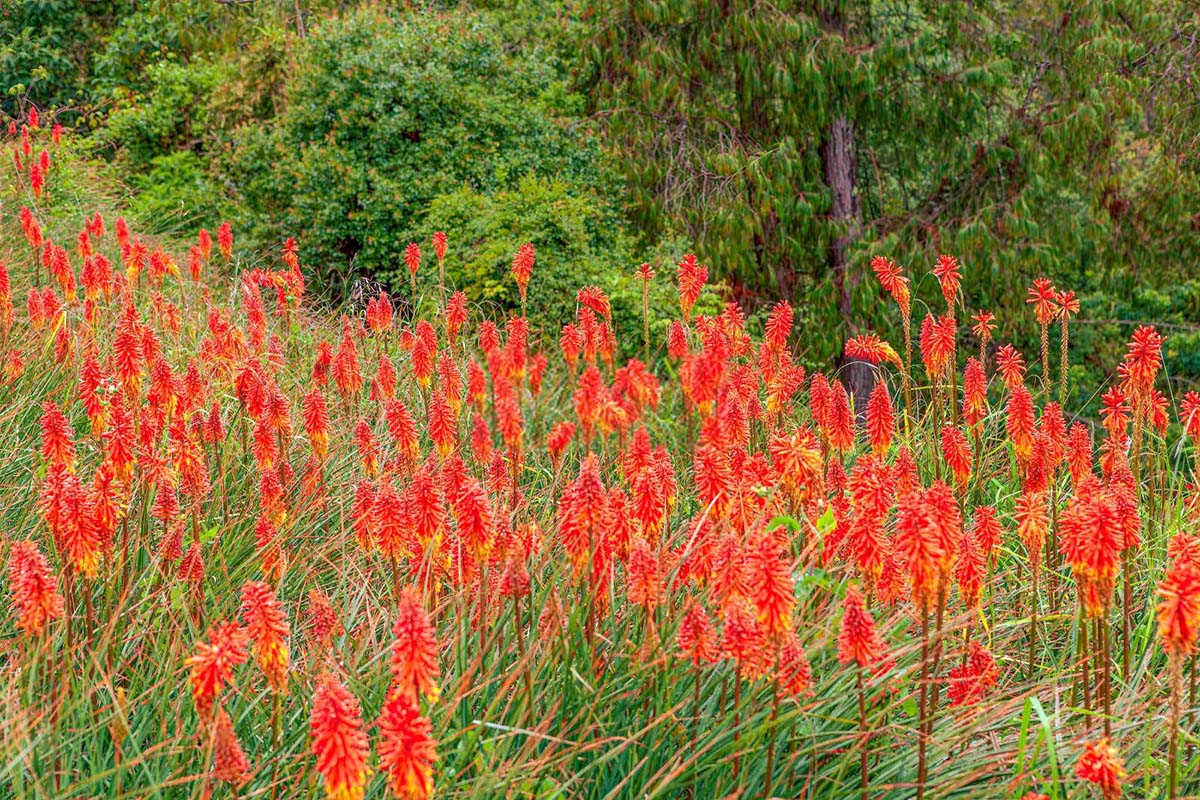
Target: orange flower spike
779	326
713	477
1114	412
957	454
970	571
645	576
982	325
796	456
919	544
407	750
858	641
229	759
427	500
1011	366
1033	523
368	448
949	277
268	628
771	586
390	520
443	426
379	313
339	741
412	259
969	682
34	589
316	423
1043	297
1143	360
476	521
1019	421
58	443
75	532
456	316
1100	764
881	421
869	347
793	676
414	652
225	240
582	513
1179	608
742	639
841	418
893	281
974	404
692	277
346	370
211	666
696	639
522	268
90	378
322	620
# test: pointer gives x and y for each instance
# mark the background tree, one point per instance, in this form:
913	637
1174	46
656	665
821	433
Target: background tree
794	140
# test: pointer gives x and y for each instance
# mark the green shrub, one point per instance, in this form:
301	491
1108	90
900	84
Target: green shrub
45	50
176	195
173	114
386	114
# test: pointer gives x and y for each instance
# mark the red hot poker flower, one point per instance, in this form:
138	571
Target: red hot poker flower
339	741
881	424
1101	765
692	277
213	662
35	593
522	268
892	279
982	325
949	278
406	748
779	326
412	258
229	759
969	682
1179	608
225	240
858	641
414	658
696	640
268	628
1043	298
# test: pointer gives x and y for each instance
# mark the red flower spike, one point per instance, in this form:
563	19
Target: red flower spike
407	751
35	592
338	740
414	652
268	628
858	641
1100	764
212	664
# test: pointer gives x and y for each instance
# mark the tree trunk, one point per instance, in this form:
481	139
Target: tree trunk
837	155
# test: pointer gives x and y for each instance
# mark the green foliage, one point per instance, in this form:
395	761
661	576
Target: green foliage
44	49
385	114
177	195
172	114
1050	142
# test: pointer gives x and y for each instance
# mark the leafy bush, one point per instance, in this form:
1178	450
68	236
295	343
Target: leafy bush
177	194
385	114
173	114
577	243
45	50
